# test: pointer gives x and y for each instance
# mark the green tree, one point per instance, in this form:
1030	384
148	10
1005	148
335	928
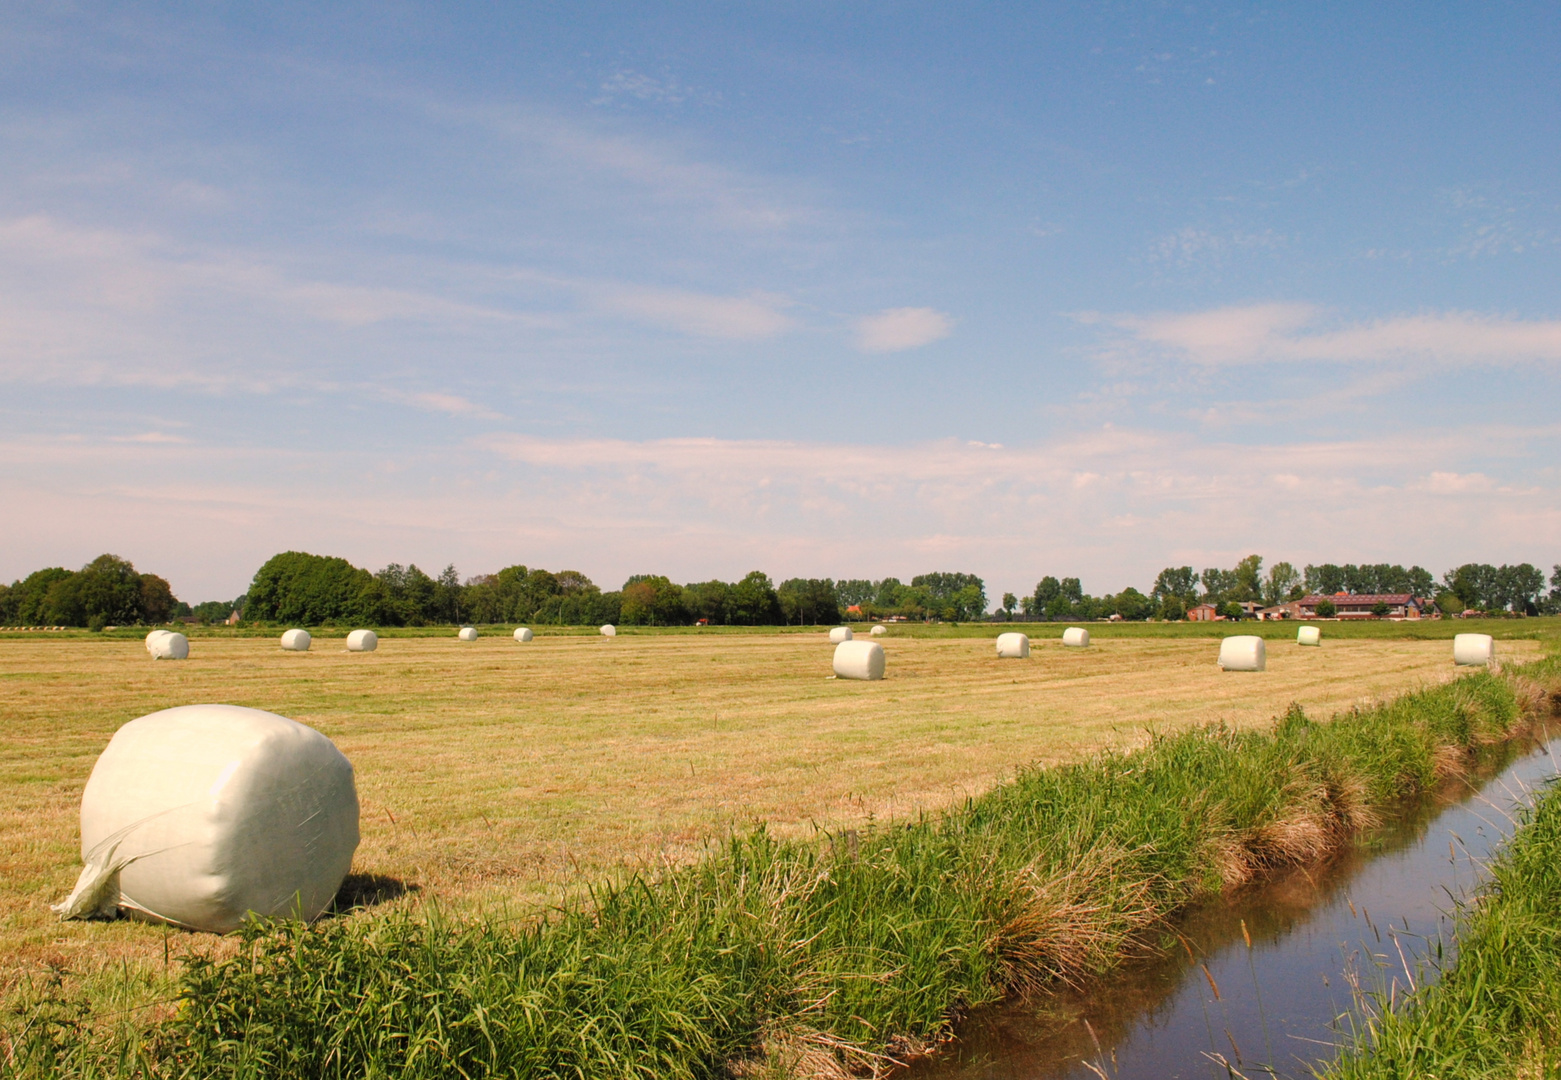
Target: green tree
1380	609
953	595
1326	609
1247	580
1231	609
27	600
1132	605
308	590
808	601
753	601
1010	601
1177	581
1448	603
157	600
107	590
855	592
1282	580
1172	609
653	600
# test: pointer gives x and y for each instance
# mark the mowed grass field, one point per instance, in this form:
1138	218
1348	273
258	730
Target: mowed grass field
499	776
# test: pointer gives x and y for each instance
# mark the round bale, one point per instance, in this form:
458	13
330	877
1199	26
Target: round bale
467	633
1473	650
169	646
523	634
859	660
362	641
1076	637
878	631
1309	635
1244	652
1013	646
839	634
609	630
296	640
203	815
153	636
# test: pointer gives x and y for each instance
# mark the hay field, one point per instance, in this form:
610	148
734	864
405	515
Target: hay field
500	775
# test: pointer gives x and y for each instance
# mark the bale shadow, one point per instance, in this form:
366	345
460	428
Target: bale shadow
361	891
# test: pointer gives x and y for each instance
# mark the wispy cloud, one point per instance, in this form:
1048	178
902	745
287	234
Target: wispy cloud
1275	333
1112	505
898	329
433	401
700	314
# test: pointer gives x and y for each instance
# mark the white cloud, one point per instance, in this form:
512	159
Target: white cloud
1290	333
700	314
896	329
1112	506
431	401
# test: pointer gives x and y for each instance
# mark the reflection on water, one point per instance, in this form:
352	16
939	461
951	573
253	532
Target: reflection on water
1217	1006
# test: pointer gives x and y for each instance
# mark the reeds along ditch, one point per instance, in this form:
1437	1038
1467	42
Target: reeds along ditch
1496	1012
814	958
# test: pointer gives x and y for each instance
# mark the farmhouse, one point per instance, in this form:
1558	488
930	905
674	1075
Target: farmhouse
1203	613
1362	605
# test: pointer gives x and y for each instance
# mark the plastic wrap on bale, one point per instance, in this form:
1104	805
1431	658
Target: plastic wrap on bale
839	634
609	630
169	646
203	815
859	660
1473	650
523	634
1244	652
467	633
878	631
1309	635
1076	637
362	641
1013	645
296	640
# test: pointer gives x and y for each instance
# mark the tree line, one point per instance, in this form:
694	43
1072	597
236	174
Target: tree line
1481	587
300	588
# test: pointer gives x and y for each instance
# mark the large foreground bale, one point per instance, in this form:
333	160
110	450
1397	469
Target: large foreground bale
1076	637
1013	645
362	641
1309	635
839	634
467	633
1473	650
1244	652
523	634
203	814
859	660
296	640
169	646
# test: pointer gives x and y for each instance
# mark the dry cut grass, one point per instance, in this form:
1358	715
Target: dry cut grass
496	774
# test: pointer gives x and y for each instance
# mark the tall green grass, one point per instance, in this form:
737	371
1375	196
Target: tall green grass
817	958
1497	1011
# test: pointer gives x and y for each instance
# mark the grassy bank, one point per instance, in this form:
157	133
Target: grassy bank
1497	1011
806	957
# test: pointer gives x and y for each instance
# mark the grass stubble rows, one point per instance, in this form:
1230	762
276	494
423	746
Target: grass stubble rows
802	956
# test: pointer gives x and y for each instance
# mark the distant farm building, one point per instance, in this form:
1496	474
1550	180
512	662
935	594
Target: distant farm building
1203	613
1361	605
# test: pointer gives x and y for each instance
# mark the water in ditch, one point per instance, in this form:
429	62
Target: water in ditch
1219	1007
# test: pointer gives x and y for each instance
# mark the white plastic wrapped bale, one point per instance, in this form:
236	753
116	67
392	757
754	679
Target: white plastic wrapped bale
467	633
609	630
169	646
859	660
296	640
1473	650
362	641
839	634
523	634
203	814
1013	646
879	631
1076	637
153	636
1309	635
1244	652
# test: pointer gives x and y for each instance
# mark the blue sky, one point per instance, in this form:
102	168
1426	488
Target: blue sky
820	289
